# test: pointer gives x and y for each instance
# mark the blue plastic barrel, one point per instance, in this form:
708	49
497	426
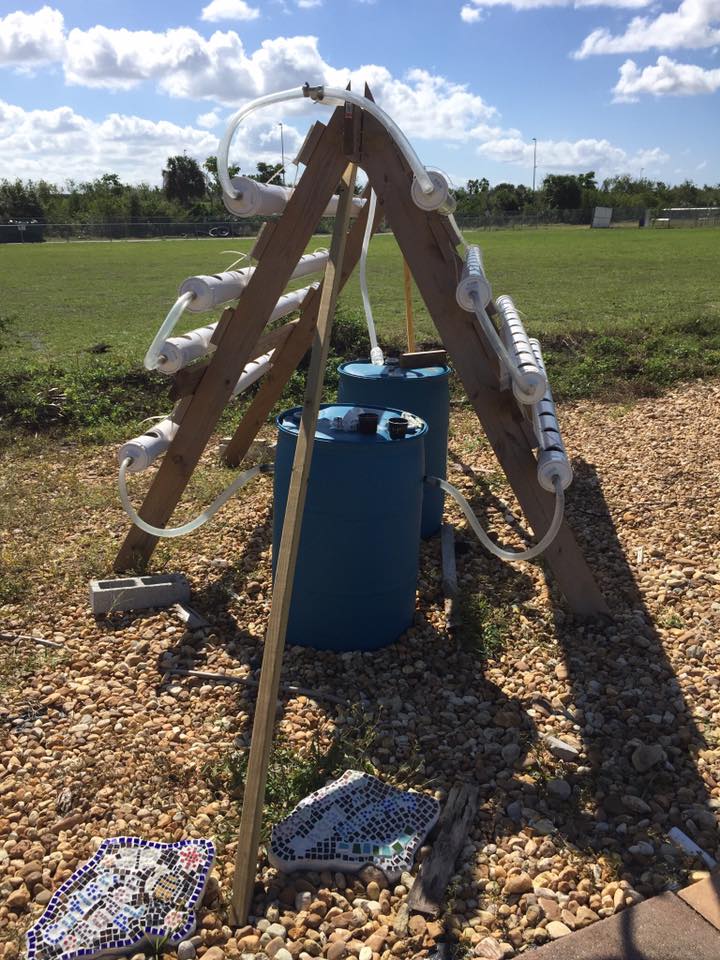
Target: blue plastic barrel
423	391
357	567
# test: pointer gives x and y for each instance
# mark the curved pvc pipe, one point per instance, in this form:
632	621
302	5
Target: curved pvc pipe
485	540
198	521
236	120
166	328
331	96
376	354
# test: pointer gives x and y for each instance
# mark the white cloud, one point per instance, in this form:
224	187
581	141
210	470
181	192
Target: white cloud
309	4
666	77
472	12
208	120
61	144
571	155
31	39
229	10
218	68
694	25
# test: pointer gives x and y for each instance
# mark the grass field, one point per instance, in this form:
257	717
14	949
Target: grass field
620	312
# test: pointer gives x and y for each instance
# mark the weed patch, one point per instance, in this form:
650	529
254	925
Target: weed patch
483	627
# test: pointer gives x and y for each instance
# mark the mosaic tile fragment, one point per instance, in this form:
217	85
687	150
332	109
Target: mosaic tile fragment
130	893
351	822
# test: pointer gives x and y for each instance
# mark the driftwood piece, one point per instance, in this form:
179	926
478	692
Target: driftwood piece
428	891
252	682
12	637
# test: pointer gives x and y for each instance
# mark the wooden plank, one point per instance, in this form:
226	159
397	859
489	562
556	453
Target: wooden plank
297	345
428	891
431	255
423	358
265	709
187	379
409	316
288	241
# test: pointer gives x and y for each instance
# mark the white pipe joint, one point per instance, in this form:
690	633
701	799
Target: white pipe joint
473	282
531	383
212	291
441	199
552	459
254	199
142	450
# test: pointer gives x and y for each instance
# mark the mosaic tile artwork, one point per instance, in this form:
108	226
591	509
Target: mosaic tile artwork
351	822
131	892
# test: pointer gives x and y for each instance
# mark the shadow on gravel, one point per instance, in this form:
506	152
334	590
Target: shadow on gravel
637	729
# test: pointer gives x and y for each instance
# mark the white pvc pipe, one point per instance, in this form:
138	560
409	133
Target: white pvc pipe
553	461
178	352
482	536
211	291
473	281
196	522
376	354
473	292
254	199
531	383
253	371
142	450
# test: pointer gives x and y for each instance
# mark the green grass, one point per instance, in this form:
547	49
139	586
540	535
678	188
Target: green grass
619	312
291	775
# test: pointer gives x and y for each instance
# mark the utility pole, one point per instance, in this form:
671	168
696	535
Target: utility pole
534	160
282	152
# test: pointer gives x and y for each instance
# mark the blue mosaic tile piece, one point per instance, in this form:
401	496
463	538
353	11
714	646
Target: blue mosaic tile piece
129	893
351	822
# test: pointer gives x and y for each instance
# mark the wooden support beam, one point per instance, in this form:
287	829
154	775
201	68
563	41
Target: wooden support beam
265	709
428	891
409	316
282	251
429	249
286	359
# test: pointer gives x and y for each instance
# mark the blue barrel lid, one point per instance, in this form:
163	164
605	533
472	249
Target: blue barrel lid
364	370
335	423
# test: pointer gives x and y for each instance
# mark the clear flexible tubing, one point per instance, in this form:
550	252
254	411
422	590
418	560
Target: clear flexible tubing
485	540
458	232
198	521
331	96
166	328
376	354
493	336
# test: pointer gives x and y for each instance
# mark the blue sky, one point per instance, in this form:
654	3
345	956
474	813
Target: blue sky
619	86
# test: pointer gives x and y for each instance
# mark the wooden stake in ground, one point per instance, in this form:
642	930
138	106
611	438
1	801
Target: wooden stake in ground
262	735
409	316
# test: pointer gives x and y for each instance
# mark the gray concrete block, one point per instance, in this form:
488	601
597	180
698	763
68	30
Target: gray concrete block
138	593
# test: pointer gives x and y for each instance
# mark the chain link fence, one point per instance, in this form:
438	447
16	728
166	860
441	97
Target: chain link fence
34	231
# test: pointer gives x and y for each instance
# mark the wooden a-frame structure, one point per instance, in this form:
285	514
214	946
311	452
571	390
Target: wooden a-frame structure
331	154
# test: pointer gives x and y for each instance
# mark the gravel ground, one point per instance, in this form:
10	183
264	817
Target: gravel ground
588	742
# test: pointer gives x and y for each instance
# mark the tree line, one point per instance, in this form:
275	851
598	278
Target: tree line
581	192
191	192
